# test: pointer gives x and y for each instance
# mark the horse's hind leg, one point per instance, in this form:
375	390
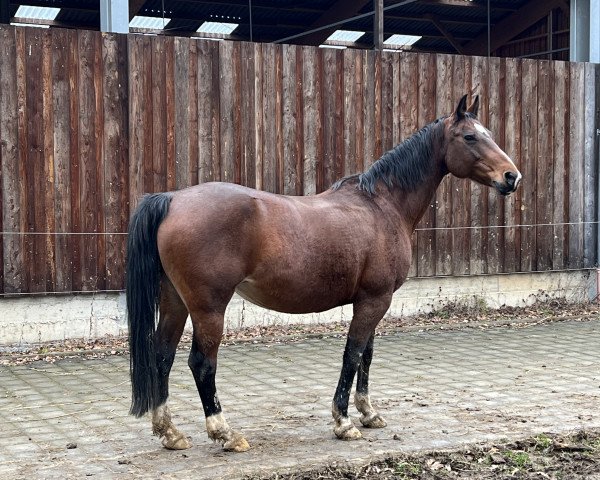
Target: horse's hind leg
208	330
370	418
173	315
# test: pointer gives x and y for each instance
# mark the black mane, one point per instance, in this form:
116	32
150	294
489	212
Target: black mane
405	166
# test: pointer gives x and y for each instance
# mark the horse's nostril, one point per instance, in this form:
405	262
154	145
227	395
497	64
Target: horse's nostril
510	177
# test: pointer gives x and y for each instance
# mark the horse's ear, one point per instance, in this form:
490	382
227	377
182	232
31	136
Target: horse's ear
474	107
461	110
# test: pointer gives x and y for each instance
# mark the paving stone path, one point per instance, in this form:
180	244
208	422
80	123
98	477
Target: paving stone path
436	389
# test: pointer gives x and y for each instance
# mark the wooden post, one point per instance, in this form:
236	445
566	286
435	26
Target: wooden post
378	24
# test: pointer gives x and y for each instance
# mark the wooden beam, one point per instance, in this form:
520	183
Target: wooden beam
134	7
340	10
510	26
378	24
453	41
479	5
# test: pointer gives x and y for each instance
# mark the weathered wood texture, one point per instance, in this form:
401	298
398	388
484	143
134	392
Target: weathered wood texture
89	122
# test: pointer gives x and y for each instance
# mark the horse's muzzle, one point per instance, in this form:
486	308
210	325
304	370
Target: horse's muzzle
510	184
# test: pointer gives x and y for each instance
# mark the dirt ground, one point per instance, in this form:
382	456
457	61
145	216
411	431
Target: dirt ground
575	456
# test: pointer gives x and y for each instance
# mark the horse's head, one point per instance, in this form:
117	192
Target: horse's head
472	153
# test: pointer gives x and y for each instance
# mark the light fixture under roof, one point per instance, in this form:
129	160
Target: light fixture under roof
151	23
345	36
37	13
221	28
339	47
398	40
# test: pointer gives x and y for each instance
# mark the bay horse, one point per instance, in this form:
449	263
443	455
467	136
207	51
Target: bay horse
189	251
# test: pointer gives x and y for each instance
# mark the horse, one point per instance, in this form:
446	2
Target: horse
189	251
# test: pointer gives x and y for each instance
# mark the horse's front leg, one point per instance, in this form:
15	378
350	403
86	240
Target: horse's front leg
370	418
367	314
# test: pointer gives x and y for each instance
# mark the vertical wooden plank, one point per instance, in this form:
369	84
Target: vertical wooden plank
278	119
193	115
409	78
291	179
590	167
396	95
443	197
116	155
226	96
76	240
248	115
62	168
34	158
576	163
461	188
159	115
512	142
258	112
48	159
209	145
529	156
269	119
359	146
299	138
426	247
339	115
312	136
544	166
496	124
560	148
377	108
370	127
329	99
387	101
350	114
90	160
479	193
237	121
12	199
183	161
170	127
135	76
147	105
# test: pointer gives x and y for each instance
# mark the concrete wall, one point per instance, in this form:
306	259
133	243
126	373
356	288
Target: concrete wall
33	319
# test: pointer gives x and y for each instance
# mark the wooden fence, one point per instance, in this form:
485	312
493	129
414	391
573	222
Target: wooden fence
89	122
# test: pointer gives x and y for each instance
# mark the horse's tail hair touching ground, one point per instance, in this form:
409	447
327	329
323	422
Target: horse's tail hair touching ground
144	272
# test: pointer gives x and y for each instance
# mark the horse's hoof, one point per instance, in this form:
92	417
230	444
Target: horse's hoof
347	432
236	444
180	442
373	421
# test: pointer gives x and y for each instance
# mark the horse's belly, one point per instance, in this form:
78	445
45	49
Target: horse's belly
285	298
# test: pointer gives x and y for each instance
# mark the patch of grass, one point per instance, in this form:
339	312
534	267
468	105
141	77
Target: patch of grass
406	470
517	458
542	442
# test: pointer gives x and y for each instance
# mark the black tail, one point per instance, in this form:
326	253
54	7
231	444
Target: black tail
143	295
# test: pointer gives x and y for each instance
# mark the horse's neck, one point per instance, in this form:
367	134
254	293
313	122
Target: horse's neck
413	205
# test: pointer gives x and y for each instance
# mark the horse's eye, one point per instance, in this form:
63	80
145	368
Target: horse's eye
470	138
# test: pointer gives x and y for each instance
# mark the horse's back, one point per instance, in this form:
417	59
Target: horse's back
292	254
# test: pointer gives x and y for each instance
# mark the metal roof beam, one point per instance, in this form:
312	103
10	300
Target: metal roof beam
511	25
340	10
451	39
